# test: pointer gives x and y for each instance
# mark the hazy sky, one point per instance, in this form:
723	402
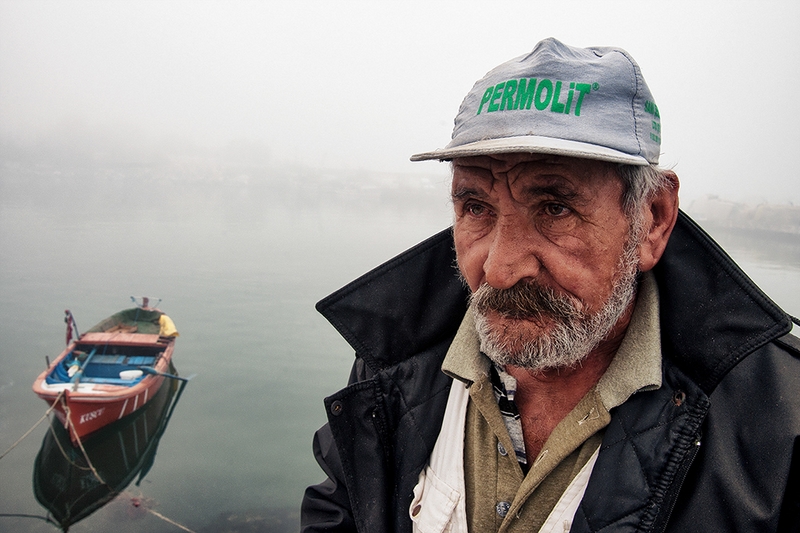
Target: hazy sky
366	84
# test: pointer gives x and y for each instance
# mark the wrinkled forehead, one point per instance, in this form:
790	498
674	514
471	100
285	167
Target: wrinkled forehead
527	168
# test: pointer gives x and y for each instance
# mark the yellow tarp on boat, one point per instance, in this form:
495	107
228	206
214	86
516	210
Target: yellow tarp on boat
168	328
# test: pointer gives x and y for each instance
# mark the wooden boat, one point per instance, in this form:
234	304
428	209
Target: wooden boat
63	481
109	372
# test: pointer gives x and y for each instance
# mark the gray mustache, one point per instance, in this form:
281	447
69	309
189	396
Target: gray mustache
527	300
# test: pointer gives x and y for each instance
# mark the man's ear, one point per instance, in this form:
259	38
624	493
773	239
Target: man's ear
660	215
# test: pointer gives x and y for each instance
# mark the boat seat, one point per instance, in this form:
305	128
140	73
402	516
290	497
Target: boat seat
104	368
112	381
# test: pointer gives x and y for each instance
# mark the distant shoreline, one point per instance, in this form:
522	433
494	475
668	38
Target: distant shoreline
713	211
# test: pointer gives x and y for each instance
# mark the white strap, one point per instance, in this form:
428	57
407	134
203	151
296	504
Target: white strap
562	515
438	505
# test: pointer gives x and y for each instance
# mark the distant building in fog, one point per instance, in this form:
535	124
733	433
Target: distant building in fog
780	218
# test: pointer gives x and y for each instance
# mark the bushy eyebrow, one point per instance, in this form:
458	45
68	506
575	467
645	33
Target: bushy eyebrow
566	194
559	192
462	192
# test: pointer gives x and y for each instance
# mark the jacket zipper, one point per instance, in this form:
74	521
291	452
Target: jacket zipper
680	477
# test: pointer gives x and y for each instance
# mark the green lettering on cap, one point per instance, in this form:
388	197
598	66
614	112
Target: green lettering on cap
569	97
583	89
519	94
487	95
557	106
652	108
498	92
539	102
508	94
525	93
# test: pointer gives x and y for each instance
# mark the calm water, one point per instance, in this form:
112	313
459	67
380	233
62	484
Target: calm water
239	265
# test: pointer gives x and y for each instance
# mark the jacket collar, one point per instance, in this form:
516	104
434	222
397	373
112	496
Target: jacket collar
712	314
403	307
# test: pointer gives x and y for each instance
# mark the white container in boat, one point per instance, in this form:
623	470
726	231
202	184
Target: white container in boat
130	374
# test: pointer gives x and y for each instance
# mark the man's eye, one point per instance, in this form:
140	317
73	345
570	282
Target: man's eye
556	210
476	210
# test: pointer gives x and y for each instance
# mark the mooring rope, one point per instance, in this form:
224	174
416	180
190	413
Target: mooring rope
71	429
24	515
165	519
63	451
46	414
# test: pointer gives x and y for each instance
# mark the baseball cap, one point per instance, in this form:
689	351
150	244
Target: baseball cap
558	99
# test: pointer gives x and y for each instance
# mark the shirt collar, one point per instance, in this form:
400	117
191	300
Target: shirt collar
637	363
464	360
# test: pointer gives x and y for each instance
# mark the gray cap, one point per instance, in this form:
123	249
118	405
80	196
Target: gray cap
580	102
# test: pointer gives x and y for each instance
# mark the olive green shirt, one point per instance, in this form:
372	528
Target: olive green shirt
499	495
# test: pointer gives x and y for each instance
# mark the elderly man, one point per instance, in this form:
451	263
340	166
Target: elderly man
597	363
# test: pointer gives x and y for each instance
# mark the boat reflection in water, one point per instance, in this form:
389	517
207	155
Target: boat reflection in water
64	483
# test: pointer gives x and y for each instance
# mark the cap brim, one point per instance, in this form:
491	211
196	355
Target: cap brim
533	144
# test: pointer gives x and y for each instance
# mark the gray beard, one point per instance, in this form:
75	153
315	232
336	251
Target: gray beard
572	335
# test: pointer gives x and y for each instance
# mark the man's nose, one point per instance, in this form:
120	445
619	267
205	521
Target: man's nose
511	256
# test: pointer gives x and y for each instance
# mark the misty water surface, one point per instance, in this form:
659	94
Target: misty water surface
239	263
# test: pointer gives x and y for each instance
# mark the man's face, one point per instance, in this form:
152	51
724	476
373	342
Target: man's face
553	229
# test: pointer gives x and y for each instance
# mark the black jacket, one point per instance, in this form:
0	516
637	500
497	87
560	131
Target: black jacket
716	448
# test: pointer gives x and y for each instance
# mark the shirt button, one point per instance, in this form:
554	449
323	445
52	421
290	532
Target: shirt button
501	449
336	408
415	511
502	509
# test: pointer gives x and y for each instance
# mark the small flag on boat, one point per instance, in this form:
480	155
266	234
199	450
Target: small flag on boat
70	321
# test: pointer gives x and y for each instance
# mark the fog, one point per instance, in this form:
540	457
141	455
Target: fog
193	86
241	160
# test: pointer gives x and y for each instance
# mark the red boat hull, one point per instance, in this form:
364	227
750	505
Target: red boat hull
90	404
87	414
